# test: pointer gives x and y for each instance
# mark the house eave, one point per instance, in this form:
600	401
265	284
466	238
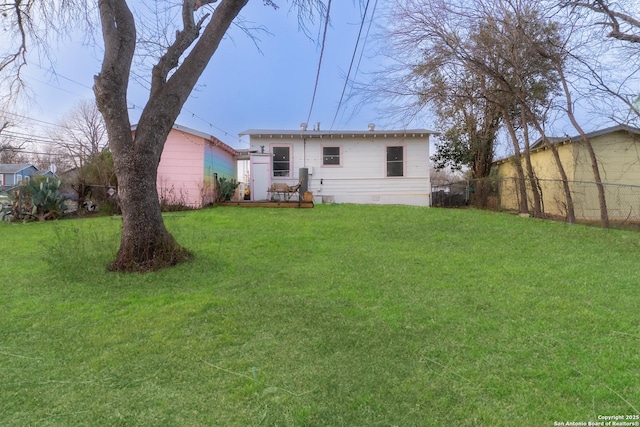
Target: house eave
207	137
337	134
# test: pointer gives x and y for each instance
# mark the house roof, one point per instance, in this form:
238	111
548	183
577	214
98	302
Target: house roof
538	145
216	142
14	168
570	139
302	133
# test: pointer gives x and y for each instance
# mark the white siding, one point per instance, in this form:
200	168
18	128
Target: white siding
361	175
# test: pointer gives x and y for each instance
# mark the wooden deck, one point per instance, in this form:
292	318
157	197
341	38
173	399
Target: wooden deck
267	204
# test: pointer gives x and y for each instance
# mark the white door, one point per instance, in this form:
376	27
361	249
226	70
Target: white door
260	166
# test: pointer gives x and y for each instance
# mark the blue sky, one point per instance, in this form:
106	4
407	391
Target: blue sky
245	86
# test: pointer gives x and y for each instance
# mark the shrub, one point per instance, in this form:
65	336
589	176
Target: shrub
226	189
38	198
172	200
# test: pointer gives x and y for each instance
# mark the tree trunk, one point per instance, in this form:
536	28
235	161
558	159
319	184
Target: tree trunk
535	188
522	186
571	215
481	168
602	201
483	158
146	244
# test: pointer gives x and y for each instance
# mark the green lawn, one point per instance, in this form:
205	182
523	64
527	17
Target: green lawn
334	316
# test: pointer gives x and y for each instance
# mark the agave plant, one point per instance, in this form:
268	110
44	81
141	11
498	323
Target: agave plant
39	198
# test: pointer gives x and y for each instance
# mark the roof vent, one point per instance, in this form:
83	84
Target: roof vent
372	126
303	127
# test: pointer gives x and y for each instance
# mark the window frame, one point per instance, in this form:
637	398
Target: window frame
402	161
339	164
272	149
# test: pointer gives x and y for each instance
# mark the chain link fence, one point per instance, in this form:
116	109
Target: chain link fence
623	200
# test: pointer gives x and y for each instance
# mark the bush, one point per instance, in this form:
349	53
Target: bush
38	198
226	189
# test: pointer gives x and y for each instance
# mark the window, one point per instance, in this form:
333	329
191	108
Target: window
331	156
395	161
281	161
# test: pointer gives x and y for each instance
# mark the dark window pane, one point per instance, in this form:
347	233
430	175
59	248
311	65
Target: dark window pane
394	153
331	155
281	153
281	166
395	169
395	163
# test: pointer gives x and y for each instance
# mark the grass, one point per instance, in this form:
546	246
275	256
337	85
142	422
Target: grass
335	316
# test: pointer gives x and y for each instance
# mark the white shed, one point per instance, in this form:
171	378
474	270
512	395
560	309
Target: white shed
372	166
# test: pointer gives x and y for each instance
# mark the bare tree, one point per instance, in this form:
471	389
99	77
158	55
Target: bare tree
620	21
428	73
560	50
34	26
78	140
11	153
538	66
485	45
613	34
10	150
145	242
612	88
82	132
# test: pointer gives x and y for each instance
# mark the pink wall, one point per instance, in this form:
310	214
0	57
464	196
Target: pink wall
181	170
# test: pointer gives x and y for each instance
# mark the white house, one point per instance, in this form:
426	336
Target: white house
370	166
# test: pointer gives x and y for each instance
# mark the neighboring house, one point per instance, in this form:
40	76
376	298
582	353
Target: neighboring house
372	166
13	174
617	149
190	162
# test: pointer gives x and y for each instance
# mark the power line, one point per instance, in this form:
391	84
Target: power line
353	57
32	119
26	137
226	134
58	87
366	36
214	126
56	74
184	109
324	39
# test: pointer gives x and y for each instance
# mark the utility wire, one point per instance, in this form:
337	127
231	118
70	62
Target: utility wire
324	39
32	119
133	106
366	37
353	57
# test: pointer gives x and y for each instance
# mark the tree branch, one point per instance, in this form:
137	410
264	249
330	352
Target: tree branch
184	39
119	34
602	7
